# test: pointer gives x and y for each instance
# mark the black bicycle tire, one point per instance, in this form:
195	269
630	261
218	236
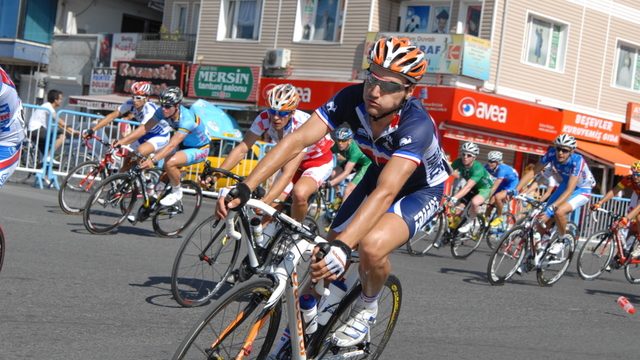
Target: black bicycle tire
393	283
198	197
627	274
505	238
583	250
2	247
61	202
178	260
455	241
87	213
263	284
542	280
442	222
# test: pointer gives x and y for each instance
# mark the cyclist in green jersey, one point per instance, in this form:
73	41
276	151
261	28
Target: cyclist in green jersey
354	159
478	186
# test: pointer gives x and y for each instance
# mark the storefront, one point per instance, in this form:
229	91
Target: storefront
523	131
313	93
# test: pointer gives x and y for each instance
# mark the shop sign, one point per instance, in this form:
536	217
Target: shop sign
504	115
313	93
633	117
591	128
102	81
476	58
238	83
160	74
124	47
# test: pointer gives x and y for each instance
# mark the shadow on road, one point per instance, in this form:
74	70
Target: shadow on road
477	278
128	230
634	298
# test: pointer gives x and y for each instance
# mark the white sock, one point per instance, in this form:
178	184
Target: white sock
369	302
176	189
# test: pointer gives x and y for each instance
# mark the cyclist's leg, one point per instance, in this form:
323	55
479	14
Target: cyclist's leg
172	169
577	199
9	159
354	182
309	182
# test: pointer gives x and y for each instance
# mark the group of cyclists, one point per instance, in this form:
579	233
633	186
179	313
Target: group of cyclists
378	131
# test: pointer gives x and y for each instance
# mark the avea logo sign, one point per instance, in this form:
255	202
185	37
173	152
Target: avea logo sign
469	107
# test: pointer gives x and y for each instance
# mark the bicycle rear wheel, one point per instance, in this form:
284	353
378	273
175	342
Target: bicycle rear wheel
631	272
78	185
494	235
389	305
552	265
237	323
422	241
507	256
171	220
110	203
203	263
595	255
464	245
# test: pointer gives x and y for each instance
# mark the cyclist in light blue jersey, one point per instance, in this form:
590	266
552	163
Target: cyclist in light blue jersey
189	144
576	180
505	180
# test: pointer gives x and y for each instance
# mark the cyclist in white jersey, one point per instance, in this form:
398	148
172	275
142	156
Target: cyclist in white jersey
302	175
11	127
147	138
402	188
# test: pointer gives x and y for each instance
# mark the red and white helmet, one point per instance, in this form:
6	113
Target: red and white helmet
400	56
283	97
141	88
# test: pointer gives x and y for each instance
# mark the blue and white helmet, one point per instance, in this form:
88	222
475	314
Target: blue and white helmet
494	156
565	140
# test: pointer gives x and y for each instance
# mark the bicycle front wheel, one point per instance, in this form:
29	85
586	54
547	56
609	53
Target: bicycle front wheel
172	220
465	244
555	259
389	305
595	255
507	256
110	203
203	263
632	273
77	187
426	236
238	326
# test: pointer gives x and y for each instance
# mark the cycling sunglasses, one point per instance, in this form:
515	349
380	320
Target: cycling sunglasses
166	106
386	87
138	97
282	113
563	149
468	155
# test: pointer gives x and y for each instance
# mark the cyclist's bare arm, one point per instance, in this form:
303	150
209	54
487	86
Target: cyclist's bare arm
528	176
288	171
66	128
137	133
496	183
239	151
465	189
571	186
348	168
107	120
393	177
609	195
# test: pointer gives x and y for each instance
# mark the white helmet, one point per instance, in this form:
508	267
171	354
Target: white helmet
495	156
470	148
565	140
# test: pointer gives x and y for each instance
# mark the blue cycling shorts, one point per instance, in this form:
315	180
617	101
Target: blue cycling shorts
507	185
578	198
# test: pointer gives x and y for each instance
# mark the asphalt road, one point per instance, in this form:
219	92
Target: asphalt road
66	294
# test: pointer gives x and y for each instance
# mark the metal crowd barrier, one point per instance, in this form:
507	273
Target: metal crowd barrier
583	217
32	159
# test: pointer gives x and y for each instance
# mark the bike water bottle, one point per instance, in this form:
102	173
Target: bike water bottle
309	312
256	231
285	340
328	304
626	305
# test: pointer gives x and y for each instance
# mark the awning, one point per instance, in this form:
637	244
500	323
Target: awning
494	140
112	102
609	155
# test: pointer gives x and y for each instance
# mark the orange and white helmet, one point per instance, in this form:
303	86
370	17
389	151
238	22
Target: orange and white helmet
141	88
398	55
283	97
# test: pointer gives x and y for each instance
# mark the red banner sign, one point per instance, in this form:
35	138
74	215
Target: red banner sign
313	94
591	128
633	117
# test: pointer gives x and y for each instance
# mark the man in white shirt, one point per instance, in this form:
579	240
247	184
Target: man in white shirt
39	121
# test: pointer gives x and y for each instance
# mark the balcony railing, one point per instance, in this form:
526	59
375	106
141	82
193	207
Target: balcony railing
168	46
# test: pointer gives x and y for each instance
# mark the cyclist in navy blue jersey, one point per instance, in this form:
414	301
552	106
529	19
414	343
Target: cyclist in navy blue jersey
400	191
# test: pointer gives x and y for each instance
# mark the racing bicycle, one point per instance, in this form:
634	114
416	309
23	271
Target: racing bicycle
245	321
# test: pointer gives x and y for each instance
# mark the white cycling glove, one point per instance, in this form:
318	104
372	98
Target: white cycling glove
337	256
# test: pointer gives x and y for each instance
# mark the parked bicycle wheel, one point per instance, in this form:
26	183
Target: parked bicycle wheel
110	203
237	323
595	255
172	220
507	256
494	234
465	244
77	187
555	260
389	305
422	241
203	263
